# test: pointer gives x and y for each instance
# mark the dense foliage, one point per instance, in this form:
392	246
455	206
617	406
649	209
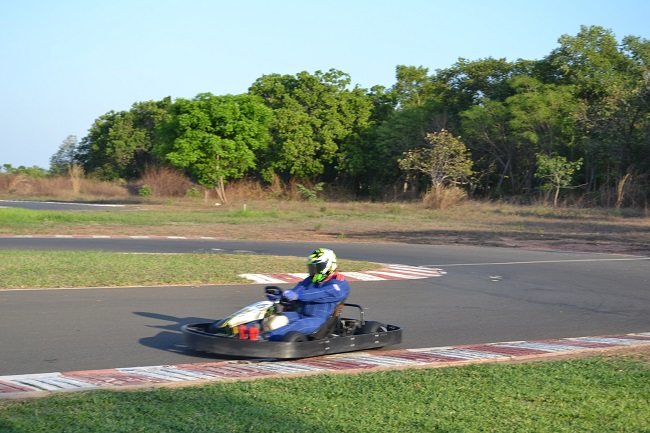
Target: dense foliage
576	120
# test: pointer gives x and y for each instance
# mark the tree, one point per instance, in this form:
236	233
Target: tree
486	128
313	116
33	171
406	130
556	171
413	85
592	61
612	81
368	174
119	145
215	137
65	157
542	119
419	107
587	100
446	161
478	79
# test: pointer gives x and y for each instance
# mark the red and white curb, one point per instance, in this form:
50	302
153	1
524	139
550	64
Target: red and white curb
27	385
390	272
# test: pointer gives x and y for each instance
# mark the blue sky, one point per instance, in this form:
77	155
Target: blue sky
67	62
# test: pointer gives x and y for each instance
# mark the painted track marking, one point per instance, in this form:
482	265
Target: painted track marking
390	272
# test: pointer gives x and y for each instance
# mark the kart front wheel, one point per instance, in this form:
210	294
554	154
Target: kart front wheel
214	327
371	327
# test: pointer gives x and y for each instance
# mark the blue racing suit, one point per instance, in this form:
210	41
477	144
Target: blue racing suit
317	302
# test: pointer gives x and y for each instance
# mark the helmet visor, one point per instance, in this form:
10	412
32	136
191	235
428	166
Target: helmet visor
316	268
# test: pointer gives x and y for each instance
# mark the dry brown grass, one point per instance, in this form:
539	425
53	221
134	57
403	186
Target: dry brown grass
444	198
166	182
162	183
20	186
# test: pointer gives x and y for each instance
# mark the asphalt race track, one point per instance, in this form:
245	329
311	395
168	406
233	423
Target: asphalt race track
484	295
66	206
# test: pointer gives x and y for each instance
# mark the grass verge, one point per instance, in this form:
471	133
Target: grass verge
38	269
472	223
598	394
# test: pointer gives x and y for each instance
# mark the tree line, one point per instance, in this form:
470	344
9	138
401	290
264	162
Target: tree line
576	120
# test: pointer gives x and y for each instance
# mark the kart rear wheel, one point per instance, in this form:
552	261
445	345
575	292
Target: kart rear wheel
370	327
294	337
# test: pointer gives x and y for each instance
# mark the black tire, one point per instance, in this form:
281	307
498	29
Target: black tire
371	327
294	337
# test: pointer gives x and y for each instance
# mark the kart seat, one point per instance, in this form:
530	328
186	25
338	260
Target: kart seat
330	325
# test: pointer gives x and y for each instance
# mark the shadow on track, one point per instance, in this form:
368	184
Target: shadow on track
170	339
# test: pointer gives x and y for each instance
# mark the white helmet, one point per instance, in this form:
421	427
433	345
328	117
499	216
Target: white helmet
320	264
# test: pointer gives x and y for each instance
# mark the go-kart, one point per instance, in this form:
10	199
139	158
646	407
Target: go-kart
336	335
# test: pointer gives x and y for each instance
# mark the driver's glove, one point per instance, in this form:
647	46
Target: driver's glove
290	295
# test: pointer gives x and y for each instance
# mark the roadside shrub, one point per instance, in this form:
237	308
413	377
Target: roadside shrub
144	191
193	192
245	189
164	182
104	189
19	184
444	197
310	194
76	173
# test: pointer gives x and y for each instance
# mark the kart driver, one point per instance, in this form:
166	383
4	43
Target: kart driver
317	295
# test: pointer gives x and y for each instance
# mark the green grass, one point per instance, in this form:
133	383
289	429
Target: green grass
589	395
36	269
15	218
